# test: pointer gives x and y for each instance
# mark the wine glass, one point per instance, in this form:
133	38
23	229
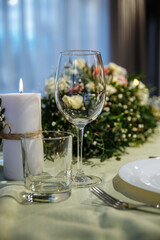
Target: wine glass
80	96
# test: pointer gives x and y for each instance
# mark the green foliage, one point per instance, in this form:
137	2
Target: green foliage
126	119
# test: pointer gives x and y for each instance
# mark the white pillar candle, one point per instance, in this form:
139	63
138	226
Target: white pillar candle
23	114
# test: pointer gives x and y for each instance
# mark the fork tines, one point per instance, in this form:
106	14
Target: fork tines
101	194
105	197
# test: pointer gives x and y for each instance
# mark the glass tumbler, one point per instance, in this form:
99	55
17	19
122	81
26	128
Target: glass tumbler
47	160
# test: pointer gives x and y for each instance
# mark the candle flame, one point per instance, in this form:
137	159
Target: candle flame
21	85
136	82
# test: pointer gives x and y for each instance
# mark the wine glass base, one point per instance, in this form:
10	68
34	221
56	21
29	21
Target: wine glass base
86	181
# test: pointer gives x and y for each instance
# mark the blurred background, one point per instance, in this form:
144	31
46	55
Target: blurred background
33	32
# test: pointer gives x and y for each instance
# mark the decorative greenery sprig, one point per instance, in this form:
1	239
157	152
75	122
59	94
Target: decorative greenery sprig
126	118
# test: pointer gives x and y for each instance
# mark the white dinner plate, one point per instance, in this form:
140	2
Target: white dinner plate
144	174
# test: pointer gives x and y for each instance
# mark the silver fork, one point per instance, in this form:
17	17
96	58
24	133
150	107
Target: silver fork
115	203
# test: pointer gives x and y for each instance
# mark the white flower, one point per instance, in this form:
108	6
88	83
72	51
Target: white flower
143	96
90	86
120	96
53	124
110	90
119	80
142	91
112	66
107	109
74	102
141	125
116	69
94	143
100	87
134	129
79	63
50	86
123	135
63	84
132	99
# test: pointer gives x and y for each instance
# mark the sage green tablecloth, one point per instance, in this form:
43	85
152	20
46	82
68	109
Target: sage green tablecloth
83	216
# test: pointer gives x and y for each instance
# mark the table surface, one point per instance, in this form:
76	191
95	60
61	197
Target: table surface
83	215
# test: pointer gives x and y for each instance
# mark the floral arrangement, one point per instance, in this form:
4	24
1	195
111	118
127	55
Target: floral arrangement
126	118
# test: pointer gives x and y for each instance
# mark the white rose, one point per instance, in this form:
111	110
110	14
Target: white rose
79	63
66	100
119	80
63	84
120	71
141	85
142	93
50	86
110	90
112	66
116	69
90	86
75	101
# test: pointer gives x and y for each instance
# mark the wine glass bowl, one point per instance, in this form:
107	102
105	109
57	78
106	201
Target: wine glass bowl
80	96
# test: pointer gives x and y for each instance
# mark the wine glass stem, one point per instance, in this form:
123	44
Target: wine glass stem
79	151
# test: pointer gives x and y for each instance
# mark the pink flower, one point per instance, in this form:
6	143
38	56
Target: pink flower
123	80
76	88
105	71
96	71
105	104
